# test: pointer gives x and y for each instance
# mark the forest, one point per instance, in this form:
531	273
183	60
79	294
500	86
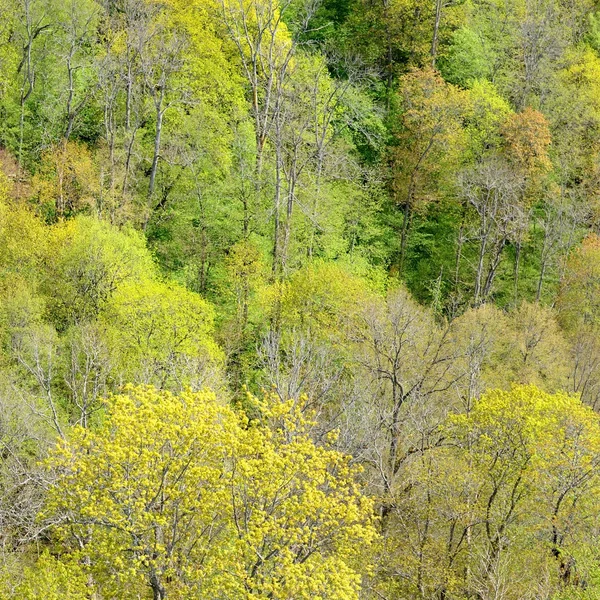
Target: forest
300	299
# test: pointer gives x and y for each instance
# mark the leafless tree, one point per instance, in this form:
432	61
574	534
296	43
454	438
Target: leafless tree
493	190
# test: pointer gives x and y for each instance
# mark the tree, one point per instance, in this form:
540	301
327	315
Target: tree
307	353
428	140
578	314
408	366
293	104
25	437
536	453
496	509
23	240
578	298
160	62
564	212
485	113
392	36
162	455
482	347
33	24
46	577
539	349
161	335
67	182
520	56
182	495
440	8
85	366
526	141
494	192
77	22
87	261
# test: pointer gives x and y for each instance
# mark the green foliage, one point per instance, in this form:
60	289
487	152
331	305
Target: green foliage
379	210
87	262
320	298
468	59
162	335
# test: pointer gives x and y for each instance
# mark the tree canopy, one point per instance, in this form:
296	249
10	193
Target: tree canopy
299	299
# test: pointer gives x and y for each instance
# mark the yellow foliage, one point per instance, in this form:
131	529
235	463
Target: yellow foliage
22	237
430	138
181	494
323	296
486	110
527	139
48	578
68	181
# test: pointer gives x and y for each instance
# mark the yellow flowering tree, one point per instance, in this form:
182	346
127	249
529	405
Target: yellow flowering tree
299	518
179	496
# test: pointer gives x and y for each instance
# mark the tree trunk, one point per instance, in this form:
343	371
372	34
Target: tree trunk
157	135
543	265
439	5
70	111
277	207
459	246
128	160
404	237
389	53
479	272
128	97
518	248
288	217
487	288
158	591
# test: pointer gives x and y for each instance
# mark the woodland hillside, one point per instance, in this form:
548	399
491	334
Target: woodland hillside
300	299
